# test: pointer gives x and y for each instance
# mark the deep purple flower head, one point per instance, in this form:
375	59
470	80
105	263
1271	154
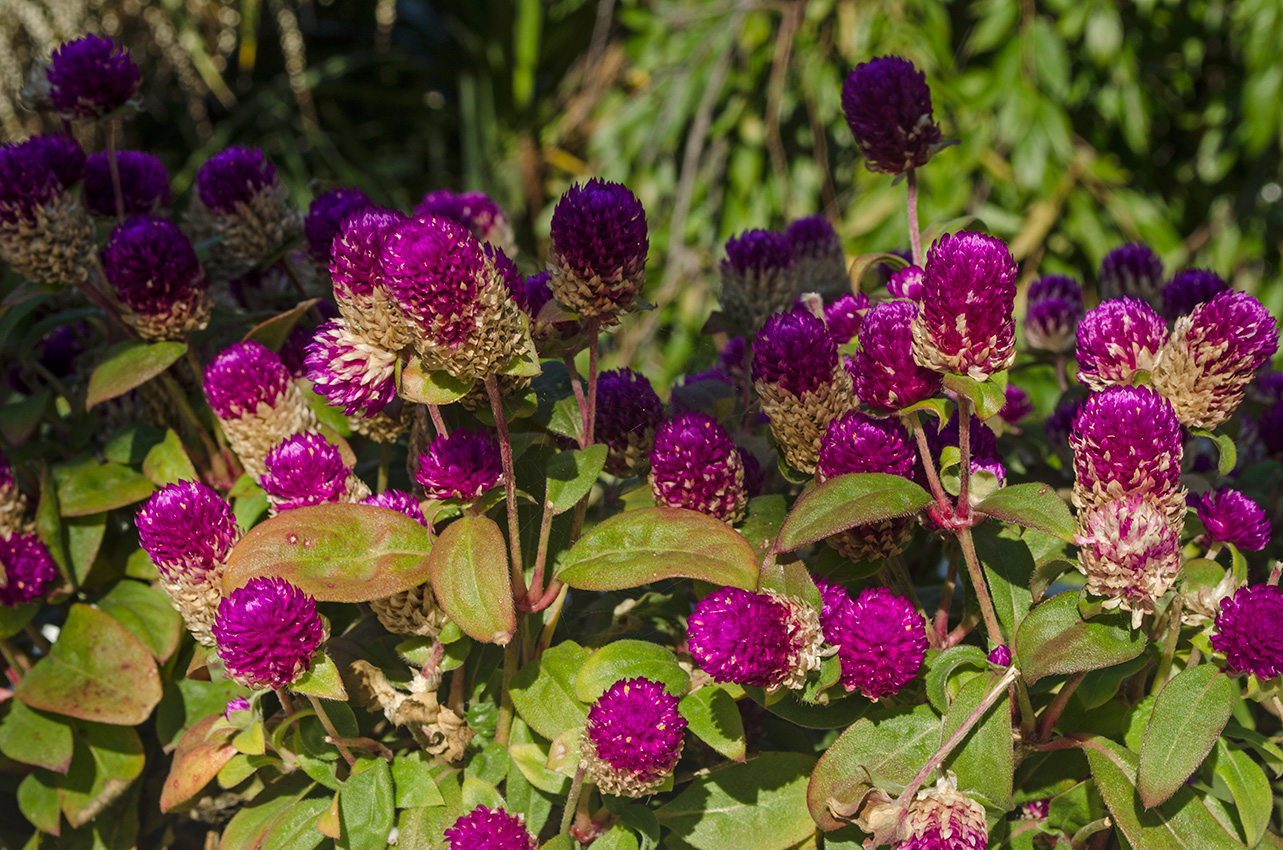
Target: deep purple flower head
186	528
233	177
490	829
304	469
1051	324
759	277
695	465
461	466
1056	286
433	267
820	258
858	443
758	251
845	315
144	184
62	153
242	376
1017	406
26	569
357	250
91	77
476	211
151	265
812	236
1249	631
599	248
754	474
748	638
1231	517
633	738
1133	270
1061	422
326	215
1189	288
965	324
886	376
628	412
833	600
1000	656
537	293
1270	428
881	641
267	632
235	704
349	371
1127	437
1267	387
906	283
27	182
888	106
794	351
1118	339
398	500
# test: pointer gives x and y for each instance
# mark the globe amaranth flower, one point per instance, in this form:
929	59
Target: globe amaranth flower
885	374
26	569
1054	307
398	500
91	77
887	104
1270	428
266	633
821	262
1213	352
695	465
1016	406
627	414
326	214
13	505
235	704
597	259
45	234
765	640
1231	517
802	383
1055	286
845	315
906	283
857	443
233	177
1000	656
1132	270
759	277
461	466
881	640
633	739
1117	340
476	211
242	201
965	324
349	370
360	291
1189	288
1267	387
155	275
63	154
144	184
940	818
1129	550
306	469
484	828
1061	422
1249	631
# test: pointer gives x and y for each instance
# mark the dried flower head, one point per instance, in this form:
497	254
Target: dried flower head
1231	517
886	376
940	818
461	466
1117	340
1132	270
627	414
267	632
821	262
349	370
761	639
695	465
91	77
326	215
155	275
490	829
888	106
476	211
1129	552
759	277
633	739
144	184
881	640
1189	288
26	569
599	245
1249	631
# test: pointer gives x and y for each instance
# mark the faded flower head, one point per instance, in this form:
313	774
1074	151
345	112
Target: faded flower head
1231	517
858	443
398	500
695	465
819	255
1129	551
91	77
759	277
1132	270
886	376
1189	288
267	632
1249	631
26	569
350	371
845	315
233	177
186	529
760	639
794	351
144	184
599	248
633	739
326	215
243	376
484	828
461	466
906	283
302	470
1118	339
940	818
627	414
476	211
1127	439
888	106
881	640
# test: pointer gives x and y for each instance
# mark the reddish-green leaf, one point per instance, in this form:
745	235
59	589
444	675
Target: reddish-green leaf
128	365
92	489
861	265
1031	505
1054	639
847	501
147	613
1189	714
167	462
198	758
470	578
32	737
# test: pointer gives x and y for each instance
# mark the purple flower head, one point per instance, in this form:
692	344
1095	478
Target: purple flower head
1270	428
398	500
888	106
490	829
267	632
433	267
304	469
599	231
1249	631
1061	422
27	182
965	323
349	371
326	215
357	249
1037	809
758	251
243	376
1000	656
834	599
1017	406
906	283
742	637
1118	339
695	465
1231	517
886	376
91	77
1133	270
845	315
144	184
634	735
476	211
235	704
61	153
1189	288
1051	324
858	443
628	412
26	569
1127	436
151	265
233	177
813	236
754	475
794	351
461	466
1056	286
186	529
293	351
1267	387
881	640
984	443
537	293
507	272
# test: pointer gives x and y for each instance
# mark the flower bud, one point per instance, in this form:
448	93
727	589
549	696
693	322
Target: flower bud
476	211
599	245
13	505
325	216
350	371
940	818
881	640
695	465
240	199
906	283
45	234
1189	288
633	739
1129	551
360	286
845	316
306	469
857	443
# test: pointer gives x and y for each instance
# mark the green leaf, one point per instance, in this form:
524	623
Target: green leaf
296	829
146	612
529	760
33	737
648	544
942	669
759	804
273	332
130	364
1055	640
1228	452
1008	565
1031	505
1253	798
337	553
19	419
793	707
987	397
469	564
983	761
414	384
478	792
543	691
38	801
1189	714
251	826
13	619
940	408
96	670
572	474
861	265
321	679
712	716
93	489
628	659
367	806
618	838
105	761
168	463
766	515
846	501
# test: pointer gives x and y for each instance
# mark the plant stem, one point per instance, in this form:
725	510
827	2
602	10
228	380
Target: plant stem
964	450
1052	712
915	235
335	737
580	398
1062	380
978	584
946	602
1026	710
385	460
109	129
541	555
510	487
942	502
37	639
17	660
287	704
902	576
551	619
503	729
437	421
1169	646
572	801
590	416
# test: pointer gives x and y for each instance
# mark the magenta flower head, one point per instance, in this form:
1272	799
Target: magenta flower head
267	632
461	466
356	267
1231	517
1211	357
759	277
845	316
349	371
1132	270
186	529
599	248
62	154
628	412
1054	308
1000	656
91	77
434	268
154	272
906	283
940	818
821	262
881	640
1189	288
490	829
242	377
242	203
305	469
695	465
1129	550
1118	339
1249	631
858	443
27	182
476	211
760	639
886	375
326	214
234	176
26	569
398	500
965	323
144	184
888	106
633	739
1017	406
235	704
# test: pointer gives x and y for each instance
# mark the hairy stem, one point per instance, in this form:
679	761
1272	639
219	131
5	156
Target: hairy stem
979	585
941	625
1169	646
942	501
915	234
287	704
594	352
964	450
109	130
511	653
541	555
385	461
335	737
572	801
1027	718
510	487
1052	712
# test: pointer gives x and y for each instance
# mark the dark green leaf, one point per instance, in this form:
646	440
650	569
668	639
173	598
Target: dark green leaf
983	761
1032	506
415	784
13	619
367	806
127	365
321	679
93	489
572	474
987	397
105	761
1055	640
618	838
846	501
249	827
766	515
1008	568
712	716
1189	714
1253	799
19	419
33	737
470	578
1045	575
148	615
937	678
273	332
627	659
168	463
543	691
